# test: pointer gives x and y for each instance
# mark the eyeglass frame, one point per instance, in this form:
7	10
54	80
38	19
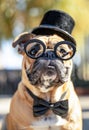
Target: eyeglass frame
55	48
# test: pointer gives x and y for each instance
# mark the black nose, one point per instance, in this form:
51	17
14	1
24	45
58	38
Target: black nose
49	55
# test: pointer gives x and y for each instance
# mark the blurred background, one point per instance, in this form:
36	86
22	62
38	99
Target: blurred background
17	16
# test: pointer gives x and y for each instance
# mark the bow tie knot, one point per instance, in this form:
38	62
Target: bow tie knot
51	106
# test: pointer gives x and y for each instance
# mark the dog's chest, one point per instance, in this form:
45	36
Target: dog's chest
47	128
51	122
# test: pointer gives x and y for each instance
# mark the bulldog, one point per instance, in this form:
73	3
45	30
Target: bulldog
45	98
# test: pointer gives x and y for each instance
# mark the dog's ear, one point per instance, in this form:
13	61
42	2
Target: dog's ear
21	39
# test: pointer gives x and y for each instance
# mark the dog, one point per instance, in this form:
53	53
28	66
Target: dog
45	98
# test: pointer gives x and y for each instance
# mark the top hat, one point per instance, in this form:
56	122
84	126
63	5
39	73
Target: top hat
56	22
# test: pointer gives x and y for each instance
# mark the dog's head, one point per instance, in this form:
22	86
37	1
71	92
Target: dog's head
47	59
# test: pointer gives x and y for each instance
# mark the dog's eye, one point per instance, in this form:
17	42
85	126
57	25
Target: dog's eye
65	50
32	52
34	48
62	51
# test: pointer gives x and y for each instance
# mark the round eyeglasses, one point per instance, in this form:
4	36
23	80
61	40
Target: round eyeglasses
64	50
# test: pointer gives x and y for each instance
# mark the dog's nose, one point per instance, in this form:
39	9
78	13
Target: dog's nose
49	55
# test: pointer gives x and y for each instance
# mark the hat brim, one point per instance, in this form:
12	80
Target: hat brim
48	30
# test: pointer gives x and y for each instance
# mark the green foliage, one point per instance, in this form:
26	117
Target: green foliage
17	16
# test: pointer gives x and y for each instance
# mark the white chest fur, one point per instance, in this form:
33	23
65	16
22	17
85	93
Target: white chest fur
47	128
52	122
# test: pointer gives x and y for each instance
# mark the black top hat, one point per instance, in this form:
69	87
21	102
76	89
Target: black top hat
56	22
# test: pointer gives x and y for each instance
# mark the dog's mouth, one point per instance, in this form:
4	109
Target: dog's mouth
47	73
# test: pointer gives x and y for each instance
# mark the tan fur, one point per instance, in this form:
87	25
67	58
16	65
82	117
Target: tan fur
21	109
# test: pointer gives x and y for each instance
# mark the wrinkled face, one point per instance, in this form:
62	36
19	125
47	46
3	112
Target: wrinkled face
49	67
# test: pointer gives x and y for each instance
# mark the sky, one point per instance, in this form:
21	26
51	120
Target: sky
9	59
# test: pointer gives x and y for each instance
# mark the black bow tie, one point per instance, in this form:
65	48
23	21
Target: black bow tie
41	106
